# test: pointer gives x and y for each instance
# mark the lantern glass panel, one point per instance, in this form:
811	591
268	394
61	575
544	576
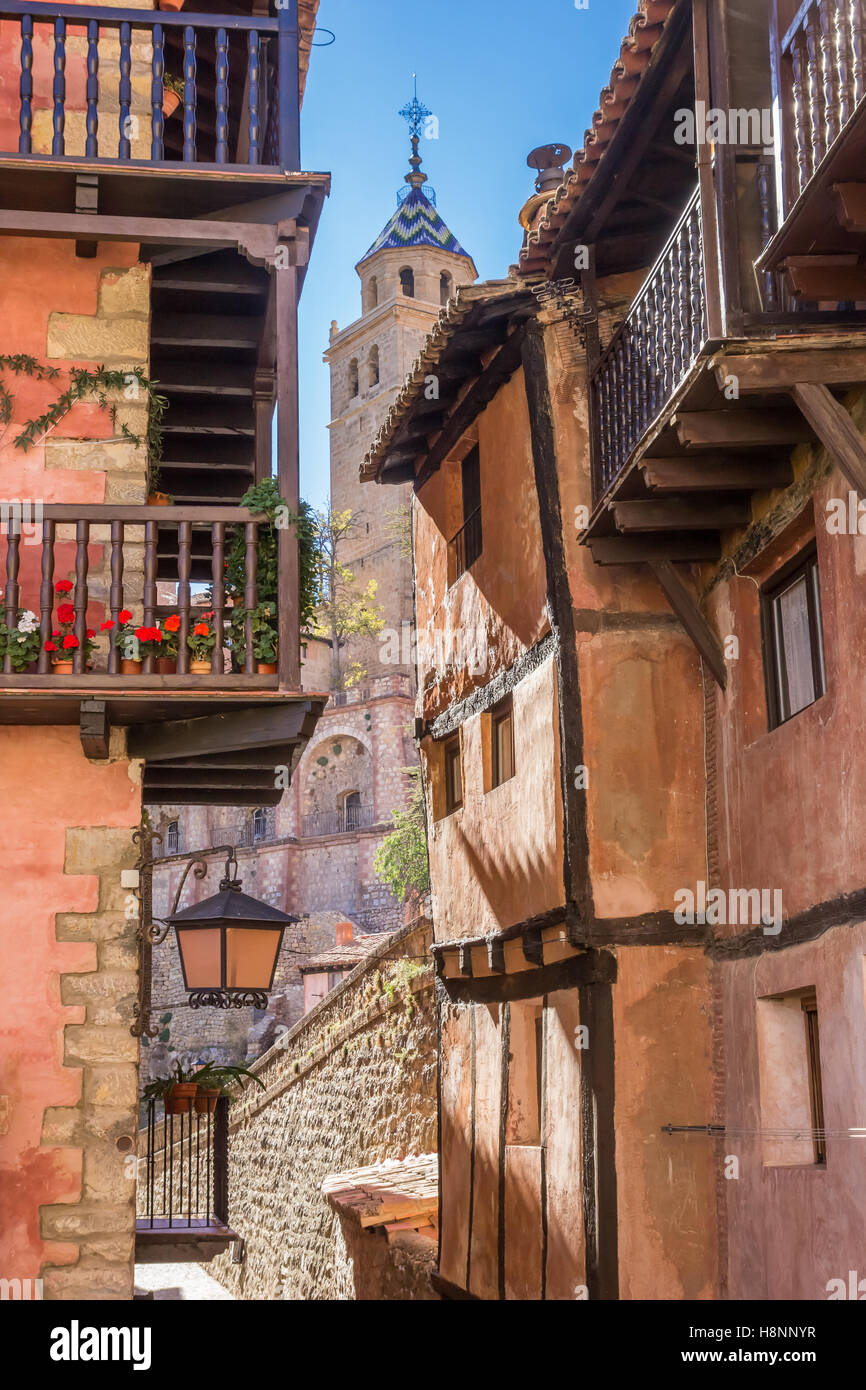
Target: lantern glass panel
250	957
200	953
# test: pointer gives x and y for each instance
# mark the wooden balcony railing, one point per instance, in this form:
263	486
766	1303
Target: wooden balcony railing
823	78
108	555
652	352
239	79
341	822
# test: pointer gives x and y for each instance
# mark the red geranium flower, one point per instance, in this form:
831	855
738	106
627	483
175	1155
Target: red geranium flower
173	623
70	641
201	630
91	632
107	626
56	632
63	586
51	646
124	615
66	613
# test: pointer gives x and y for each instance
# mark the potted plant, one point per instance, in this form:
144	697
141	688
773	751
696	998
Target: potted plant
172	87
149	640
127	644
64	642
21	642
166	662
171	4
265	638
177	1092
215	1080
201	643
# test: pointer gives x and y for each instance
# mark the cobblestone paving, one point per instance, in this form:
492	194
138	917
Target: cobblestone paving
179	1281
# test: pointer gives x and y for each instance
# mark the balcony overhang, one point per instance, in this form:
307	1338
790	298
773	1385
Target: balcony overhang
822	242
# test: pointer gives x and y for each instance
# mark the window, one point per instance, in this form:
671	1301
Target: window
353	378
373	366
453	776
260	824
467	544
816	1095
372	293
445	283
794	639
502	744
352	810
172	837
407	282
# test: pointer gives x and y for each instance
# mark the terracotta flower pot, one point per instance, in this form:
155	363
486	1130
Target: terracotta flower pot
170	103
266	668
171	4
130	668
159	499
199	668
63	668
166	665
206	1101
180	1098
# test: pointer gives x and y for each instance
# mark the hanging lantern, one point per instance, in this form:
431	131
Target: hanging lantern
229	945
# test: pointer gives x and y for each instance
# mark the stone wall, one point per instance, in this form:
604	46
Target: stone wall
354	1083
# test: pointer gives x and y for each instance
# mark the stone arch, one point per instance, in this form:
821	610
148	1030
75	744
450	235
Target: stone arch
373	368
337	766
407	281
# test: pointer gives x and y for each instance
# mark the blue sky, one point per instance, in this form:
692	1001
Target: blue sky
500	77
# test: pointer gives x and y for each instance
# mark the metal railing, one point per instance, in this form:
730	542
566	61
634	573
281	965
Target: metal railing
652	352
341	822
227	84
183	1172
466	546
823	78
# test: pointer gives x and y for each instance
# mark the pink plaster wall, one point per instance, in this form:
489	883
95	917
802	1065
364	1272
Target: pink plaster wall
46	785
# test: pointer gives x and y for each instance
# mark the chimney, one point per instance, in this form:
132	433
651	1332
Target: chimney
344	933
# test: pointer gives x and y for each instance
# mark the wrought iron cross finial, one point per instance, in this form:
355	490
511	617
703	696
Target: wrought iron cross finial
415	112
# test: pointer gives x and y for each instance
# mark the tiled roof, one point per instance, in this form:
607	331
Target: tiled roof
396	1190
459	307
345	956
415	223
307	10
644	31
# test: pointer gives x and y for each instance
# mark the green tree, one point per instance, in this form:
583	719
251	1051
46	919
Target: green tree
344	609
401	860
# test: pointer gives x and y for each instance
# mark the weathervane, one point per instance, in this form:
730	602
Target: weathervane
415	113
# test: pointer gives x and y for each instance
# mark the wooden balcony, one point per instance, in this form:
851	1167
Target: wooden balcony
206	737
819	90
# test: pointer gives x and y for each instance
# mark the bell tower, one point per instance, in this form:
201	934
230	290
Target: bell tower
408	274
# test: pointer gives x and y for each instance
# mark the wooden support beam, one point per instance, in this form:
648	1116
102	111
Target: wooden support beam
256	241
674	514
764	372
592	967
685	605
86	201
829	278
464	957
740	429
94	728
183	795
533	945
703	473
639	550
836	431
496	956
851	210
259	727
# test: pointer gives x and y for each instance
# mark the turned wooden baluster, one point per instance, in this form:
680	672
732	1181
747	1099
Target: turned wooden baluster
254	81
82	538
58	145
679	359
12	527
115	593
843	64
46	597
151	540
685	301
157	94
189	70
614	411
827	12
607	415
799	72
124	120
644	365
816	87
184	563
222	97
217	572
660	366
858	48
25	119
667	325
766	190
251	532
91	148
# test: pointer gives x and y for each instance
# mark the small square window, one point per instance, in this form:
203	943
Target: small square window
453	776
502	745
794	639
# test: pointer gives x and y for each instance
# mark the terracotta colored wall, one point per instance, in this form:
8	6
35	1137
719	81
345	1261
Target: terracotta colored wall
794	1228
48	788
